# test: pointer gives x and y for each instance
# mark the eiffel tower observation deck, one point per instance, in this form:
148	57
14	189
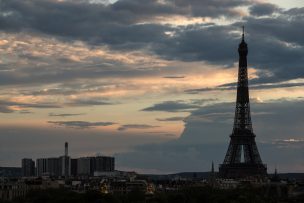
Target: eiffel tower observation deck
242	158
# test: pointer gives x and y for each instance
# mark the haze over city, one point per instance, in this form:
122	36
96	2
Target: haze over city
150	82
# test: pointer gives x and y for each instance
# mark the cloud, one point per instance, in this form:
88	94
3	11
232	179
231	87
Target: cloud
102	23
7	106
179	105
78	53
254	86
89	102
206	138
80	124
71	18
171	119
174	77
271	120
171	106
172	157
178	157
289	143
161	133
54	91
263	9
5	109
277	85
274	41
25	112
206	8
65	114
48	141
135	126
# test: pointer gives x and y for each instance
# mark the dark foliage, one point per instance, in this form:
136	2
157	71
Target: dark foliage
187	195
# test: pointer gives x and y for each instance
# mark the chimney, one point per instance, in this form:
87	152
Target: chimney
66	147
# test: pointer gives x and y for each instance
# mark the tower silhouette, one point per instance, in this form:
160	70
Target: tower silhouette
66	160
242	158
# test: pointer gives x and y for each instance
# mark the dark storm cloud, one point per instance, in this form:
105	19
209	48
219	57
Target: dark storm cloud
286	28
66	74
147	8
92	23
294	12
100	24
54	71
206	138
275	46
200	43
275	43
206	8
178	157
271	120
80	124
83	20
196	8
263	9
135	126
173	157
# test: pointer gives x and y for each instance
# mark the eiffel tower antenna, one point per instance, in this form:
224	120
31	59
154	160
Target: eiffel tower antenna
243	35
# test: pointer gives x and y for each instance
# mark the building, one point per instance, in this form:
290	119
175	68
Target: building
103	164
126	186
92	165
28	167
49	167
56	166
11	172
212	181
10	190
242	158
41	167
74	167
64	166
84	166
66	161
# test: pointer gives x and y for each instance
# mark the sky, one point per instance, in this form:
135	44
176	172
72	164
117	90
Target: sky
151	82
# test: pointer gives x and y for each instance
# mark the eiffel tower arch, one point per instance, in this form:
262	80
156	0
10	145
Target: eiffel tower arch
242	158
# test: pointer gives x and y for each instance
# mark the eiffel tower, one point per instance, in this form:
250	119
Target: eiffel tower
242	158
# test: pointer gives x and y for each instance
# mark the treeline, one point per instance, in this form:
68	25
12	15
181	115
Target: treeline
187	195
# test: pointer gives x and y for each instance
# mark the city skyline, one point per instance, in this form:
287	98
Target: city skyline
151	83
